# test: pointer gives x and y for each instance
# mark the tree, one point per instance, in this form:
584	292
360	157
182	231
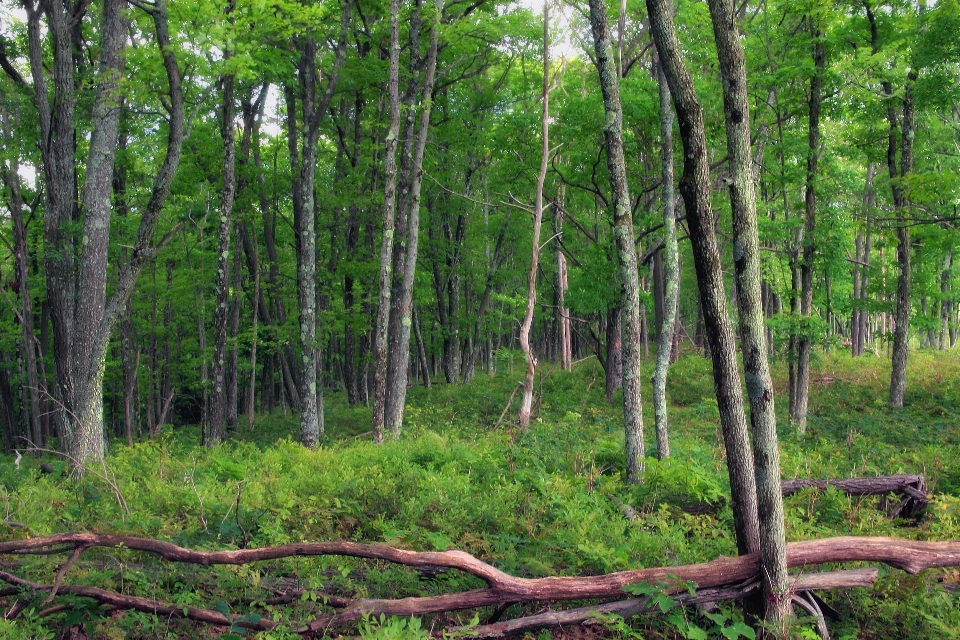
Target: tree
746	253
624	238
695	190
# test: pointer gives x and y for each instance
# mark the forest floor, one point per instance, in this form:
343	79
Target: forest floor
548	501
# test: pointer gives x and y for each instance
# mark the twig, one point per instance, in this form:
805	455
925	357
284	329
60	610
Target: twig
62	572
507	408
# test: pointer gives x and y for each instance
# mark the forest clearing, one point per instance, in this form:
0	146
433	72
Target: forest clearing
479	318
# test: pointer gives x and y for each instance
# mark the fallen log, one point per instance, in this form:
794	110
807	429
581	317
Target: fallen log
635	606
723	572
913	488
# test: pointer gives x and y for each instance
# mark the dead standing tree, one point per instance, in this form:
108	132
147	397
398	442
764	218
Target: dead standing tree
526	402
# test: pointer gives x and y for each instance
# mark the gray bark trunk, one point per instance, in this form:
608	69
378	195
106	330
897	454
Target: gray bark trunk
624	239
695	187
382	325
304	165
221	311
804	342
670	260
399	362
946	306
766	453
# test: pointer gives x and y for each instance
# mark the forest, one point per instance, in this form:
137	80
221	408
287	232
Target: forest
479	318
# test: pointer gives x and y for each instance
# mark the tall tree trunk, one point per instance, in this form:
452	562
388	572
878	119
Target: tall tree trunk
946	305
526	401
382	326
252	392
233	354
399	361
861	266
804	342
313	106
221	311
563	314
695	188
624	239
901	335
746	243
83	319
22	275
669	258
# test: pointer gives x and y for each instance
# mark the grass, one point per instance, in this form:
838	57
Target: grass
542	502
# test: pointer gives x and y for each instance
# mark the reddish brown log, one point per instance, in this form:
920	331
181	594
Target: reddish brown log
148	605
909	555
635	606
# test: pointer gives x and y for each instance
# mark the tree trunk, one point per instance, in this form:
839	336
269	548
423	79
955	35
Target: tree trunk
695	188
303	164
901	334
669	259
746	243
399	361
22	276
624	239
526	401
946	305
221	311
389	220
804	342
421	350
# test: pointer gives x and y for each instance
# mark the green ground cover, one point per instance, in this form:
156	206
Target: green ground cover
545	502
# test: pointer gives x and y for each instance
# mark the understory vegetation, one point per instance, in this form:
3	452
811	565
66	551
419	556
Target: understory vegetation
549	501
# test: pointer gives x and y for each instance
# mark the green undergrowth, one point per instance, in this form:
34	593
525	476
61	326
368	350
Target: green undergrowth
550	501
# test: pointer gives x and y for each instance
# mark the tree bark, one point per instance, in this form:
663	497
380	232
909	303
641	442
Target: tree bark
303	164
526	400
695	187
804	341
946	304
746	244
624	239
382	326
669	258
901	333
401	319
221	312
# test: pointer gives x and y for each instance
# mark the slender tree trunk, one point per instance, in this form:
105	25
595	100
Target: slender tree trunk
526	401
233	354
695	188
624	239
399	362
10	177
252	392
901	333
670	260
766	454
389	220
946	305
421	350
221	311
804	342
313	107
